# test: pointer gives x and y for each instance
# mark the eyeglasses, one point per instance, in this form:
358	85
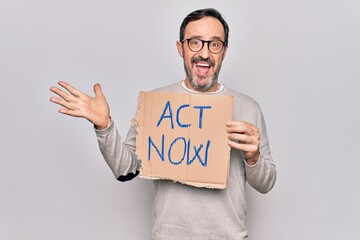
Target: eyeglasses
214	46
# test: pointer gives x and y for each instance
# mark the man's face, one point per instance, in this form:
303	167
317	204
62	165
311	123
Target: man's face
202	68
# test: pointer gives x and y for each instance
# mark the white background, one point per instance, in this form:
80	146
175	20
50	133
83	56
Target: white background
299	59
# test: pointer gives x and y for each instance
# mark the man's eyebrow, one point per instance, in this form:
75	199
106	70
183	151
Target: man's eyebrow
200	37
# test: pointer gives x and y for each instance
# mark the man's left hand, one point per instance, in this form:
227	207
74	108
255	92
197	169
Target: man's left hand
245	137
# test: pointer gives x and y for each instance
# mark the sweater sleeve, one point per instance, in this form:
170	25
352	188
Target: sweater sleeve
119	154
262	175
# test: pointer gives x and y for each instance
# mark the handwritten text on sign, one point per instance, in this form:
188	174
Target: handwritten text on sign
184	142
182	137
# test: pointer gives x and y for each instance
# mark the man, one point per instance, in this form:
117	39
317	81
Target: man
181	211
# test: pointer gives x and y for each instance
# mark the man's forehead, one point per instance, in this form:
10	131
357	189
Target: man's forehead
206	27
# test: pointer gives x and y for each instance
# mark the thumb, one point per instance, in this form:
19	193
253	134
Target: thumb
97	90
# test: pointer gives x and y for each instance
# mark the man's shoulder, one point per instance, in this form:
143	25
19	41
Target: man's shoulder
174	87
241	97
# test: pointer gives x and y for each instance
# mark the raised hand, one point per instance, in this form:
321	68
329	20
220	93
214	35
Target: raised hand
78	104
245	137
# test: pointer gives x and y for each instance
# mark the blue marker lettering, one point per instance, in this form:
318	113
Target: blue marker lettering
151	143
177	116
167	106
201	113
196	154
171	145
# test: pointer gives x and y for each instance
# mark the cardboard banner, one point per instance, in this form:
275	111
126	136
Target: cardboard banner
182	137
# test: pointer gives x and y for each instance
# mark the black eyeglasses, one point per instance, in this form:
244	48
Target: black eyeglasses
214	46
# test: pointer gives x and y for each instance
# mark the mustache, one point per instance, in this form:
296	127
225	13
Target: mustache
201	59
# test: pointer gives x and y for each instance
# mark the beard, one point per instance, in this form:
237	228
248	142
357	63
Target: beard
194	79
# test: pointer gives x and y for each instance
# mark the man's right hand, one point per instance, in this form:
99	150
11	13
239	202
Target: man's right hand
78	104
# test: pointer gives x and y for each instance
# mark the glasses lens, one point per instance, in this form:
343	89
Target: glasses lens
195	44
215	46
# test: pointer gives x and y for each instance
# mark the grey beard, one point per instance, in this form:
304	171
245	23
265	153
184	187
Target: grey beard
202	88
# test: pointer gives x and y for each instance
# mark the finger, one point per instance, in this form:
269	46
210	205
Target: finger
71	89
98	91
62	94
55	100
63	103
243	128
234	123
69	112
242	138
239	123
246	148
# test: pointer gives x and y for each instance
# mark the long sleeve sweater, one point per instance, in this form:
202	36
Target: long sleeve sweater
186	212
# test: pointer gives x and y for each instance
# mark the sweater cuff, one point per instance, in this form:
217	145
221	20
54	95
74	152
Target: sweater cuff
256	164
105	130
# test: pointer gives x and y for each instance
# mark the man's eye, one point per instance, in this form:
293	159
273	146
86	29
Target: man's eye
215	44
195	42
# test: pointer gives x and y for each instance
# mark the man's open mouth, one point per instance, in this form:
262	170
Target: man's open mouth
202	68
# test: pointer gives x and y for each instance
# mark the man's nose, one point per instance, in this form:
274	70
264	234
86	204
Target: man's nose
204	52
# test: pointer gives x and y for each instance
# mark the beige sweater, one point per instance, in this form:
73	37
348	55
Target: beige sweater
185	212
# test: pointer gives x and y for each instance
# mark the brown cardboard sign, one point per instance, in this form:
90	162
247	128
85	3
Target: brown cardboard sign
182	137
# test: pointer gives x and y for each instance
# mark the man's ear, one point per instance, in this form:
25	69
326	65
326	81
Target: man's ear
179	48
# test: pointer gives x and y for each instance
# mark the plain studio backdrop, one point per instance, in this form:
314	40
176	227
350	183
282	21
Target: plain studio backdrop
299	59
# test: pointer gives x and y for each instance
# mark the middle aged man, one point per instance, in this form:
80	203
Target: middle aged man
181	211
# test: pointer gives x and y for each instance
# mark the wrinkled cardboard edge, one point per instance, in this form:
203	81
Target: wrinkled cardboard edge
135	123
194	184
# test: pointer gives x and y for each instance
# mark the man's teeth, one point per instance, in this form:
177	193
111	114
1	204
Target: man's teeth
203	64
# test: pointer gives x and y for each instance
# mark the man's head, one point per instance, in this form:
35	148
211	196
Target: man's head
203	43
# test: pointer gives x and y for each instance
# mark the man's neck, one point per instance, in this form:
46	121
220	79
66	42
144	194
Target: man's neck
216	87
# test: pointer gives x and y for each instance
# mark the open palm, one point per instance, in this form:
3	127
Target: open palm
78	104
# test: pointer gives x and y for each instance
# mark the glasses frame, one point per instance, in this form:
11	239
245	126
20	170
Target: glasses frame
203	43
